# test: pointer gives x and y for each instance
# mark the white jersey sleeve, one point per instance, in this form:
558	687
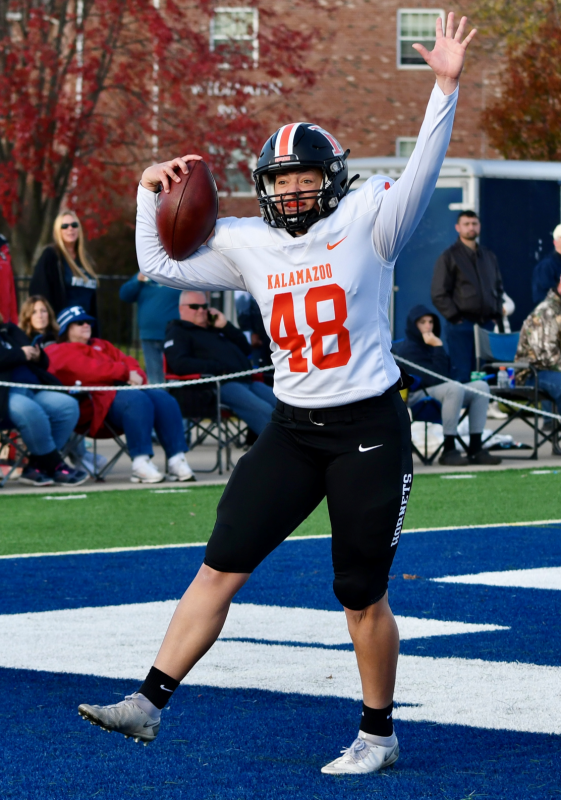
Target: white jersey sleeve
206	269
403	204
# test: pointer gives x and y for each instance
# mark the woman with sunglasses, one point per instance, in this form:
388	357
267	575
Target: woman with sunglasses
77	358
64	274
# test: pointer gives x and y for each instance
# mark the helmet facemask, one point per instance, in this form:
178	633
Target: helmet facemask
294	220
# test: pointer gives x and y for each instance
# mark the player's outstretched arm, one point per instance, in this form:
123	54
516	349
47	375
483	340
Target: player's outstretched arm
161	174
447	58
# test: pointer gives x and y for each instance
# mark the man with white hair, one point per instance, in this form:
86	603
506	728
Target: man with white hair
547	271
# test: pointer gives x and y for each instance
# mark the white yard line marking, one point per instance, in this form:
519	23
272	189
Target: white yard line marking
64	496
540	578
484	694
456	477
529	523
169	491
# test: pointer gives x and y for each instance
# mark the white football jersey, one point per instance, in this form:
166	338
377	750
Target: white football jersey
324	296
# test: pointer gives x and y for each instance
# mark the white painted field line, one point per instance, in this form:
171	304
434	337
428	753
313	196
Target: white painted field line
64	496
536	578
290	539
456	477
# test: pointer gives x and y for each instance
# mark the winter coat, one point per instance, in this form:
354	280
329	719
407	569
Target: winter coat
190	349
546	276
8	298
467	284
414	348
48	281
157	305
97	363
540	337
12	357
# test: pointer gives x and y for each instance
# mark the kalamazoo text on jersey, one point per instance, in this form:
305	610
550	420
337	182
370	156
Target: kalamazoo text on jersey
319	273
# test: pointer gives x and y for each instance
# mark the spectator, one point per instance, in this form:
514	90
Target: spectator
540	344
37	318
547	272
423	347
8	298
157	305
64	274
467	288
204	342
251	321
96	362
44	419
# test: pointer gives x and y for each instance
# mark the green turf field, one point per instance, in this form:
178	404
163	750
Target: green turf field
31	523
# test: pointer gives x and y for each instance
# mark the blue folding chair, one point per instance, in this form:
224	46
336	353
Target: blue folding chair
496	350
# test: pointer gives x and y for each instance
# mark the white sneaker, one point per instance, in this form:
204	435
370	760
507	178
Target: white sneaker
494	412
179	469
362	757
92	464
144	471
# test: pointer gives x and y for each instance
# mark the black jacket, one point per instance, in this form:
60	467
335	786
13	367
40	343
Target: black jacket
190	349
12	339
546	275
48	281
414	348
467	285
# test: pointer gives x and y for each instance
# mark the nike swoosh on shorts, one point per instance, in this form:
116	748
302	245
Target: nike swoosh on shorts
365	449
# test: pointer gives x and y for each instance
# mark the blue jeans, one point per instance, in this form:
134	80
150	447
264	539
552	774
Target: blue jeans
44	419
461	349
136	412
153	350
252	402
550	382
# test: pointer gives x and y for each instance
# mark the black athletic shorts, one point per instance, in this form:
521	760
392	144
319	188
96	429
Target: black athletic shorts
358	455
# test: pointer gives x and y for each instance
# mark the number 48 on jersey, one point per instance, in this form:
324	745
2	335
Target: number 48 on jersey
295	342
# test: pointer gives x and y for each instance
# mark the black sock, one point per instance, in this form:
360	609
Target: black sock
474	443
48	462
449	444
158	687
377	721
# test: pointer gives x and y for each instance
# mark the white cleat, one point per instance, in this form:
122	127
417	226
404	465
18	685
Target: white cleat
362	757
125	717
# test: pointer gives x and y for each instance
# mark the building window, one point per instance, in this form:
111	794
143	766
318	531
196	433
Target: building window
415	25
404	146
235	31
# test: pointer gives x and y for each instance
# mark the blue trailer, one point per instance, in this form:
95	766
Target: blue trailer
519	203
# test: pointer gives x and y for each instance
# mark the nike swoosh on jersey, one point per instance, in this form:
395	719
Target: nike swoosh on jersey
365	449
332	246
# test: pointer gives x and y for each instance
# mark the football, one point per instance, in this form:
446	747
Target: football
187	215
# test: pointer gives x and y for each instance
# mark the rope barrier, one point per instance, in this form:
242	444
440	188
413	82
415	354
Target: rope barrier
502	400
77	387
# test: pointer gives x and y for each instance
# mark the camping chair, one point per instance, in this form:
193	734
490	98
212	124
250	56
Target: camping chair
495	350
16	452
82	430
207	418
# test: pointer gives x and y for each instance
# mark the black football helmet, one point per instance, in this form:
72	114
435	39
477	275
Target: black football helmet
301	145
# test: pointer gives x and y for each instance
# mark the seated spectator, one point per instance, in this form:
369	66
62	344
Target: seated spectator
251	321
77	358
44	419
547	272
423	347
37	318
540	344
204	342
157	305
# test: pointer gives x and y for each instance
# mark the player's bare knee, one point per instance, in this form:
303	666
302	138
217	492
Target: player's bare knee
227	583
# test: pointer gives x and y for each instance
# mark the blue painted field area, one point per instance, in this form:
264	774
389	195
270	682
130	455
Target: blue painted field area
478	701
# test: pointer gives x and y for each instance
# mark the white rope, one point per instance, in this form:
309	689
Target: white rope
502	400
77	387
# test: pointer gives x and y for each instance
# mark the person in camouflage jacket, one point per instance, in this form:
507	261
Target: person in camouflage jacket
540	344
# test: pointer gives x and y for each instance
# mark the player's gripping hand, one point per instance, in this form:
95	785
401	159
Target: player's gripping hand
161	174
447	58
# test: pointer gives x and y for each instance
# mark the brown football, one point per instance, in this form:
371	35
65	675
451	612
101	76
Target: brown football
187	215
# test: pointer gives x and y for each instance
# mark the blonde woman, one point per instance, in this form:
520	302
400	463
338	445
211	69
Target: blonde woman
64	274
37	318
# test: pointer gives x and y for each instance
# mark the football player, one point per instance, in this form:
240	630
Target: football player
320	265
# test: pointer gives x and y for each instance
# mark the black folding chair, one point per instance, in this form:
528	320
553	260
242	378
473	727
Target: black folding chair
16	451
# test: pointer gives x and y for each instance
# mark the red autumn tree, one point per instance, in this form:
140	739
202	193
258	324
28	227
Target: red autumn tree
91	89
525	121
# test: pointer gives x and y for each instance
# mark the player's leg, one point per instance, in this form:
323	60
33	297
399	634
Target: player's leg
272	490
368	486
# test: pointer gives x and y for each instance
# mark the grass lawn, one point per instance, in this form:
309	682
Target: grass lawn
31	523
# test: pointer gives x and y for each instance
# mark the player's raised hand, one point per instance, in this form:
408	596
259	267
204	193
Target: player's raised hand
447	58
161	174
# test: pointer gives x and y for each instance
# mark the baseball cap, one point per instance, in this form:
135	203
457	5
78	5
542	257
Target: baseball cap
72	314
557	232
